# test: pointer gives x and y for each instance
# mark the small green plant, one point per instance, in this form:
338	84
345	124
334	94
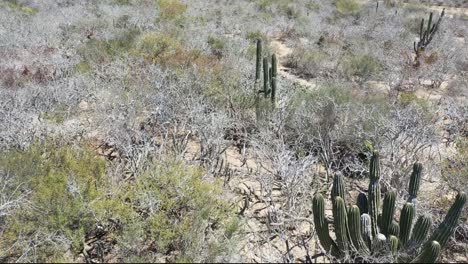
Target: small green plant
171	10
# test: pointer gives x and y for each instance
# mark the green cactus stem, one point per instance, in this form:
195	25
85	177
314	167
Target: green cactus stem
266	83
415	182
446	229
406	221
374	192
362	203
394	229
338	188
420	231
258	65
366	229
393	244
321	225
341	224
388	210
354	221
429	254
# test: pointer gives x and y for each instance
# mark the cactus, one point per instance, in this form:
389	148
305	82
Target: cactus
340	222
429	254
426	36
420	231
406	222
265	78
273	90
393	244
321	225
338	188
394	229
362	203
366	229
258	66
360	236
388	210
415	181
374	192
378	243
445	230
354	221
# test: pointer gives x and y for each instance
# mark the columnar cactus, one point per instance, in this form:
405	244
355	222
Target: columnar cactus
366	229
338	188
415	181
362	203
340	221
420	231
446	229
360	236
321	225
266	83
258	66
406	222
429	254
354	221
374	192
388	210
393	244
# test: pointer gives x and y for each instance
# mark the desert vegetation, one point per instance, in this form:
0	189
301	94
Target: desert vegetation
233	131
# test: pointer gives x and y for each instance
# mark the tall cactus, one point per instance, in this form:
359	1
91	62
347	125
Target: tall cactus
338	188
354	221
388	210
258	66
274	73
321	225
374	192
406	222
340	223
415	181
266	83
445	230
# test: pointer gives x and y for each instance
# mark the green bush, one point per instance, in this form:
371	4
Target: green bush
347	6
362	66
63	182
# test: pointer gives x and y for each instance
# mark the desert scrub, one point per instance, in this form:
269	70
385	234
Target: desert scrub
306	61
15	6
168	51
105	50
180	212
171	11
347	6
363	66
63	181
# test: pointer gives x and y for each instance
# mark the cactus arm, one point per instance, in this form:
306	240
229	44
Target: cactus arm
446	229
366	229
406	221
387	211
321	225
266	83
374	192
415	182
420	231
354	221
258	66
340	222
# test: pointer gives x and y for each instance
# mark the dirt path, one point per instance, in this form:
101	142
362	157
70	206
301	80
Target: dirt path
282	51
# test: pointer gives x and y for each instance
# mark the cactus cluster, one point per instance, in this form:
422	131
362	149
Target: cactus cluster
359	233
269	73
426	35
